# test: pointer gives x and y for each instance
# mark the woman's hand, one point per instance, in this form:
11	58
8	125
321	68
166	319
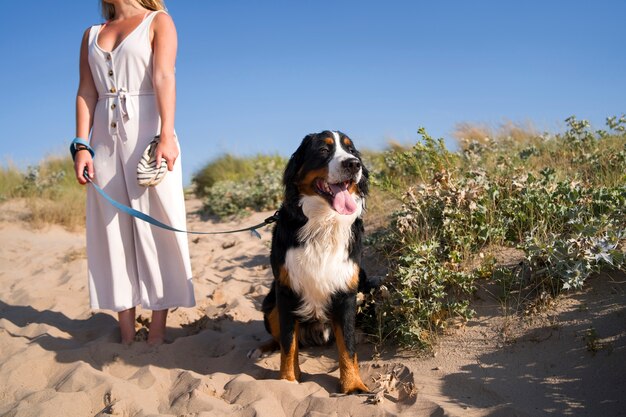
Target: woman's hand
83	160
167	149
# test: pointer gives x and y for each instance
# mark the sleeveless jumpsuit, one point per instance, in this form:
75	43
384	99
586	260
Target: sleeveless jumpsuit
131	262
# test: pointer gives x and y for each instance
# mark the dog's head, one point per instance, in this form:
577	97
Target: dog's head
327	169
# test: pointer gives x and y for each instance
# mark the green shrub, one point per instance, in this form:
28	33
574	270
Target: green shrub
232	168
259	189
422	295
404	167
569	218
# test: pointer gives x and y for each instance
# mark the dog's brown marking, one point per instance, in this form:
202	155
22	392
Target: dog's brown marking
329	140
349	377
347	141
273	344
307	184
283	278
354	282
289	365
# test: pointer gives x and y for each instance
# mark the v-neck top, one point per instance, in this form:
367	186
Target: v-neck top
102	26
123	74
128	66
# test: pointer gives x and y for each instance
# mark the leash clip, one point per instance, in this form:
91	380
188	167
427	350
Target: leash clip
273	218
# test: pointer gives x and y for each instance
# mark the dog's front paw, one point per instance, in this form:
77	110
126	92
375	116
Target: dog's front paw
291	381
353	386
292	375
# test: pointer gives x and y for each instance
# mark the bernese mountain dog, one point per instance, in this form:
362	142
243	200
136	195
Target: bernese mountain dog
316	256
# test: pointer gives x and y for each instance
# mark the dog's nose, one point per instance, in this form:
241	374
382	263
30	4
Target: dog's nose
351	165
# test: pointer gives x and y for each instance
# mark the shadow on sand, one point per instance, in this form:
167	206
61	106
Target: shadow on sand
575	366
207	346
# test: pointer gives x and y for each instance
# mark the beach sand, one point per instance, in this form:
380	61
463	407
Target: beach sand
58	358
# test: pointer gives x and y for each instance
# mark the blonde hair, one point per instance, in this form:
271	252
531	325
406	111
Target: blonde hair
108	10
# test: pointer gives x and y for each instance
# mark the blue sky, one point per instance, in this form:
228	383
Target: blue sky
256	77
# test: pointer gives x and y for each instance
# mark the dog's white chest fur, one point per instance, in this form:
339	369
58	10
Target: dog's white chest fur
321	266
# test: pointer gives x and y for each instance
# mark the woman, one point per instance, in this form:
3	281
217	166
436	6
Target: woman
126	97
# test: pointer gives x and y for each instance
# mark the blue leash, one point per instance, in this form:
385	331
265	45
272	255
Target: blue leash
143	216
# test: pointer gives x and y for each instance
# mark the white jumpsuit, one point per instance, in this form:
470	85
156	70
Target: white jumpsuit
131	262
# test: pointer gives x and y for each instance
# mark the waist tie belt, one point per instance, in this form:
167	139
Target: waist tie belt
125	111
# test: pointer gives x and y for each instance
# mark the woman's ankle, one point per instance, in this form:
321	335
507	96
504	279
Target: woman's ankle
127	325
156	334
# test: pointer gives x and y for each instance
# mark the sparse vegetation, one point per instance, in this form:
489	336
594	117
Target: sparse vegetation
49	191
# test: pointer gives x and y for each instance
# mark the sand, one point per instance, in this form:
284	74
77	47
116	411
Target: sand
59	358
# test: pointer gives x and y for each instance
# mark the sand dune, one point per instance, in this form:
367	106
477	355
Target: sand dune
58	358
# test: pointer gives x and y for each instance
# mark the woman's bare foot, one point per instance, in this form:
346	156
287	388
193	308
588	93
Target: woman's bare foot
156	334
127	325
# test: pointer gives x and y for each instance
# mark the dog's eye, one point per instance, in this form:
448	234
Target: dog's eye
325	151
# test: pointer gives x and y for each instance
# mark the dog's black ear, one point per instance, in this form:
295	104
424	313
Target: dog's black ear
295	162
292	173
291	170
365	180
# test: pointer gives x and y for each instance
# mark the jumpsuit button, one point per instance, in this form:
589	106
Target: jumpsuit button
110	73
113	90
108	57
113	106
113	125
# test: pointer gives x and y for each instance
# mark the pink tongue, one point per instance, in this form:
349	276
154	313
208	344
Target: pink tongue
343	202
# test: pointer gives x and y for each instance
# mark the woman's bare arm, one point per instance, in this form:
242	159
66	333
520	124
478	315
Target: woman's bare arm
86	99
165	44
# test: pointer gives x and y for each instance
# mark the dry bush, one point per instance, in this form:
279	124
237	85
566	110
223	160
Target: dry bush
518	133
67	211
466	132
10	179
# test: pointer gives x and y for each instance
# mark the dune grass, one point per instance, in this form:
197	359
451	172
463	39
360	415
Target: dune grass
10	180
49	191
